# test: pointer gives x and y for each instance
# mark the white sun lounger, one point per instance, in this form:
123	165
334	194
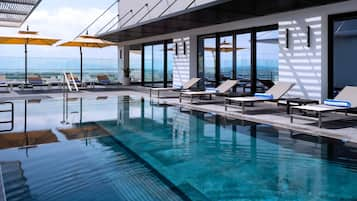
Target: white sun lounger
3	82
221	89
277	91
349	93
186	86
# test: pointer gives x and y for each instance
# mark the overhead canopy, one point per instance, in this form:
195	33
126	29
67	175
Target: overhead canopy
13	13
216	12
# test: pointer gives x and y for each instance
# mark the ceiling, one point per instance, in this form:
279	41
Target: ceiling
216	12
13	13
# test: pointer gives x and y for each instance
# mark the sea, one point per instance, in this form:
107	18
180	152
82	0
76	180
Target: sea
13	67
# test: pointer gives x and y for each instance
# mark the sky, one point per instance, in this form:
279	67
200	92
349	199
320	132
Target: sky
63	19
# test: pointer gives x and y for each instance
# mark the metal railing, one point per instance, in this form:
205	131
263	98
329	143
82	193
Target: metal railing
11	121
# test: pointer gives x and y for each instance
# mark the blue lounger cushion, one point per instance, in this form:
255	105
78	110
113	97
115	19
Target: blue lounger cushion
105	81
177	86
338	103
36	82
264	96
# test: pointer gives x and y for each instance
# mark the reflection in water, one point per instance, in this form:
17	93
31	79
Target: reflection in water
84	131
14	180
24	139
210	157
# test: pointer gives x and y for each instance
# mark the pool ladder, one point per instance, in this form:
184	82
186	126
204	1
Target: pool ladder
9	110
70	82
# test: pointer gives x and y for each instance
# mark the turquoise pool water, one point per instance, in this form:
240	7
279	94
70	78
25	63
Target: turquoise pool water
104	143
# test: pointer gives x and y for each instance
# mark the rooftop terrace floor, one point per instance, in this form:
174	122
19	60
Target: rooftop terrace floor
344	128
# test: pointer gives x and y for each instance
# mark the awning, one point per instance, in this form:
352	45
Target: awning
216	12
13	13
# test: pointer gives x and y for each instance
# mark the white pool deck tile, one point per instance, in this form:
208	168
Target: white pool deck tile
267	113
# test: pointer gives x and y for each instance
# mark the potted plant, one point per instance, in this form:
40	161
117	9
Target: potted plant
126	79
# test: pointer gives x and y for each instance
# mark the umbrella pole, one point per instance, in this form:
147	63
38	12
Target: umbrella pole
25	64
81	53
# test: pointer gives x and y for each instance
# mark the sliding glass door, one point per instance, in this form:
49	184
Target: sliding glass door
342	52
267	55
158	63
226	57
244	61
249	55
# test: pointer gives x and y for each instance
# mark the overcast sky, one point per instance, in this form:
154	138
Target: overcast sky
63	19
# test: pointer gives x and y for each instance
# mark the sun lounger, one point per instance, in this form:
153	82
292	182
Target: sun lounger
104	80
186	86
343	102
222	89
275	93
3	82
36	81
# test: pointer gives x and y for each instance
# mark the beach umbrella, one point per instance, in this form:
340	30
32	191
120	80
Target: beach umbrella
27	38
86	41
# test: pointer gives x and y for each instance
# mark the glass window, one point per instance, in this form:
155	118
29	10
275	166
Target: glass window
226	57
244	63
158	63
267	59
148	63
209	62
344	54
135	65
170	61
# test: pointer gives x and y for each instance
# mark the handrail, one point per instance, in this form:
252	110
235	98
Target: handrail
67	81
11	122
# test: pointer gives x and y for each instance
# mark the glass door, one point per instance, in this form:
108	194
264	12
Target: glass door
209	57
226	57
148	65
158	65
267	59
243	61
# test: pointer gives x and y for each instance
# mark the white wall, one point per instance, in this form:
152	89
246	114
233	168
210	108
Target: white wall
305	66
181	66
298	63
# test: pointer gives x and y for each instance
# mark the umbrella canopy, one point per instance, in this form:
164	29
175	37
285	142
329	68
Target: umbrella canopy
27	38
86	41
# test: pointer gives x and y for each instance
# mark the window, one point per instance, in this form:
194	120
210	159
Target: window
267	59
248	55
342	53
135	65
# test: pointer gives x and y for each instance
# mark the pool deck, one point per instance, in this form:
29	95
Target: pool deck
345	128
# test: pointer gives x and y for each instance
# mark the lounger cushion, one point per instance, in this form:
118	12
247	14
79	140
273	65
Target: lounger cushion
337	103
264	95
177	86
105	81
36	82
210	89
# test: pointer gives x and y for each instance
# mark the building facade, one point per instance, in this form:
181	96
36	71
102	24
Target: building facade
165	43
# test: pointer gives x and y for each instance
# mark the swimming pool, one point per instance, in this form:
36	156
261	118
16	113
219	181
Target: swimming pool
103	142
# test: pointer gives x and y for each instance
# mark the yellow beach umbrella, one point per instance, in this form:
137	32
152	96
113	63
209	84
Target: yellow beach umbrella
86	41
27	38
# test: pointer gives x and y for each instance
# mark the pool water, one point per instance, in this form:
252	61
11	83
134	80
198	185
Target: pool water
121	148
